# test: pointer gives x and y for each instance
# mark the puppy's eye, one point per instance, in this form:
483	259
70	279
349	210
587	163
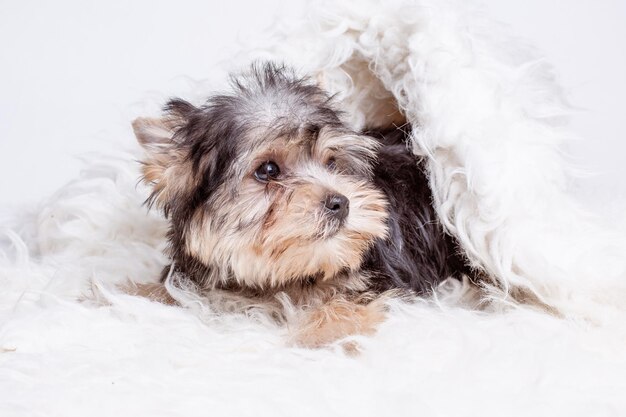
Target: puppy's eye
331	164
267	171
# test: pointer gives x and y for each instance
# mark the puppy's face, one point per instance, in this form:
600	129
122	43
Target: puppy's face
266	185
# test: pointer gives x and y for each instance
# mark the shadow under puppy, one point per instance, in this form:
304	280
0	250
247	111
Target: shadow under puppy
270	195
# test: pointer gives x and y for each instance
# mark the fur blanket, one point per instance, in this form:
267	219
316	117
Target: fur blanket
488	118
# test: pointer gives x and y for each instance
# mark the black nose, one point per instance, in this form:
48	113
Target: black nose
337	205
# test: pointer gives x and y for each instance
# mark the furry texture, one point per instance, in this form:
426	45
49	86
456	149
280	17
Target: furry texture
488	116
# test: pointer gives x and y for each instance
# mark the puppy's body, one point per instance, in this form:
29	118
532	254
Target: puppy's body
269	193
417	254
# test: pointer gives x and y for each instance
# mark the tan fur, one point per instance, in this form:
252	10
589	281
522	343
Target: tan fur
165	169
336	319
152	291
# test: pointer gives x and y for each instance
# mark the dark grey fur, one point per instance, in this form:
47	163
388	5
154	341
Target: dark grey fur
418	253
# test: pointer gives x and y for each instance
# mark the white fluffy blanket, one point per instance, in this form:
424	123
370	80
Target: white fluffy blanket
490	121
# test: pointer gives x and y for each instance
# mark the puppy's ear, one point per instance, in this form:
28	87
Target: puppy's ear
153	134
157	134
165	166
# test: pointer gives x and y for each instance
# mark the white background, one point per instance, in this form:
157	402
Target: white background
74	73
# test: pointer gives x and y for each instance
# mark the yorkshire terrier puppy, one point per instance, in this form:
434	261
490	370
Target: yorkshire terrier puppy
271	196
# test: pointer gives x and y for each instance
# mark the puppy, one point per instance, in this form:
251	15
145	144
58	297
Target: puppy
273	199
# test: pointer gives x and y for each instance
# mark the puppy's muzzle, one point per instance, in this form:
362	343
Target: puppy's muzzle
337	206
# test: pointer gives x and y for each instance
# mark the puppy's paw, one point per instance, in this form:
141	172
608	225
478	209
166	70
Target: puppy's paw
337	319
153	291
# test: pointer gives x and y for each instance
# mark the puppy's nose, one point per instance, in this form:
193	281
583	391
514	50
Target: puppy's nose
337	205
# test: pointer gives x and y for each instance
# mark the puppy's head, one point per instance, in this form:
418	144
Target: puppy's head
265	185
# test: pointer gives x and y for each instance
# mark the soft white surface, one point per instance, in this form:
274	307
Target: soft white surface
124	355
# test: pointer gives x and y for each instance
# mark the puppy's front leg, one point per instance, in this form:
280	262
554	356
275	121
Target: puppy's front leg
152	291
335	319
